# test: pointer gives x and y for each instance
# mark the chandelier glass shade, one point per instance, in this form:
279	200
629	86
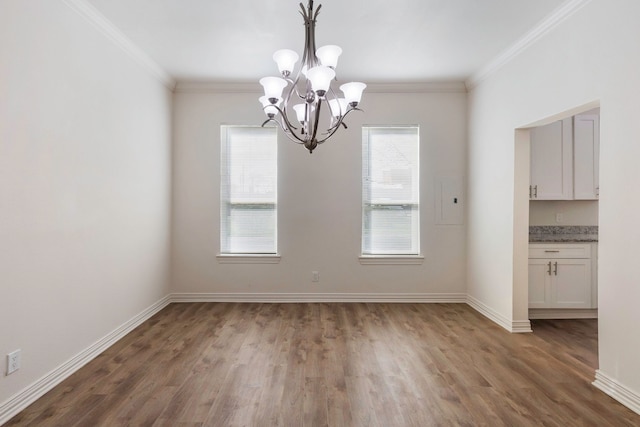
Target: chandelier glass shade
303	95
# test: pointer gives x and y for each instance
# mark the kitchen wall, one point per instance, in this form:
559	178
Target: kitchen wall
319	202
573	212
589	59
84	188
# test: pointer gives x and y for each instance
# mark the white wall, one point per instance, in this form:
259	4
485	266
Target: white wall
84	187
319	200
593	56
574	212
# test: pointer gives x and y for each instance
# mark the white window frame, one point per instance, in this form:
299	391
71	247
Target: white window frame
229	254
370	255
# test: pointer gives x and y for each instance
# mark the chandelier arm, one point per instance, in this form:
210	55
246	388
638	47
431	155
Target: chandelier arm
294	88
287	127
333	126
337	125
294	138
291	135
303	12
333	94
267	121
331	130
294	82
283	114
330	134
286	100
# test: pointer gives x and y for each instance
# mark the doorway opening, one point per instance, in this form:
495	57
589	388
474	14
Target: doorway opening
544	283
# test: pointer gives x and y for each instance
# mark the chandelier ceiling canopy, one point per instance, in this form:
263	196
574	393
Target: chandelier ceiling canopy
307	91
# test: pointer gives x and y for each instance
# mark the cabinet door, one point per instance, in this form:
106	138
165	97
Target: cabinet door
586	151
571	283
539	283
551	161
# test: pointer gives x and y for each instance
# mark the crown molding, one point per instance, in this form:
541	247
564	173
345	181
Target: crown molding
218	87
242	87
417	87
106	27
557	17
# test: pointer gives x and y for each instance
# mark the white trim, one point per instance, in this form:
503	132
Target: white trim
318	297
559	313
243	87
558	16
30	394
520	326
248	258
417	87
391	259
621	393
514	326
488	312
106	27
218	87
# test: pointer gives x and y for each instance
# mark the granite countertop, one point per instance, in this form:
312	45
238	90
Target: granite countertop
563	234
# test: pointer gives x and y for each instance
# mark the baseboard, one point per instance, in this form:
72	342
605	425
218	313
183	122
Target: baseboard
514	326
553	313
520	326
619	392
26	397
319	297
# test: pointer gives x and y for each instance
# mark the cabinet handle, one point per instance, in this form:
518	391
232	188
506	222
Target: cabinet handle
548	251
529	191
555	269
535	191
549	271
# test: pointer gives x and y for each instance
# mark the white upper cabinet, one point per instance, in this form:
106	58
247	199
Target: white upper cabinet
551	161
586	152
565	159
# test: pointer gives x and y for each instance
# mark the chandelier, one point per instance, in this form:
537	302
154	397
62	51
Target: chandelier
309	89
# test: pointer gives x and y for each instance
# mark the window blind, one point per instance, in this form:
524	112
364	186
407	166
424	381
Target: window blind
248	190
390	190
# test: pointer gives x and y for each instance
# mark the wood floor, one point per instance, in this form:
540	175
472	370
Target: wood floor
229	364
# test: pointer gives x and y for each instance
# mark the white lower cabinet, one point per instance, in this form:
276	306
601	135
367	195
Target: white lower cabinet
560	275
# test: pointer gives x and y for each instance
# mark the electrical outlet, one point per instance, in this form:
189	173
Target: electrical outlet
315	276
13	361
559	217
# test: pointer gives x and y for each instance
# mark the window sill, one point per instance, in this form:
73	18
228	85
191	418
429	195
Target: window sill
391	259
248	258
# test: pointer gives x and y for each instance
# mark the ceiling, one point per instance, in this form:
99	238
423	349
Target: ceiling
383	41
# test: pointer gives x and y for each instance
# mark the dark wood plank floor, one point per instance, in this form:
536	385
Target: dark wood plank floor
229	364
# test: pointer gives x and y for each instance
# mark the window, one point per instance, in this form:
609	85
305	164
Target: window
390	191
248	190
